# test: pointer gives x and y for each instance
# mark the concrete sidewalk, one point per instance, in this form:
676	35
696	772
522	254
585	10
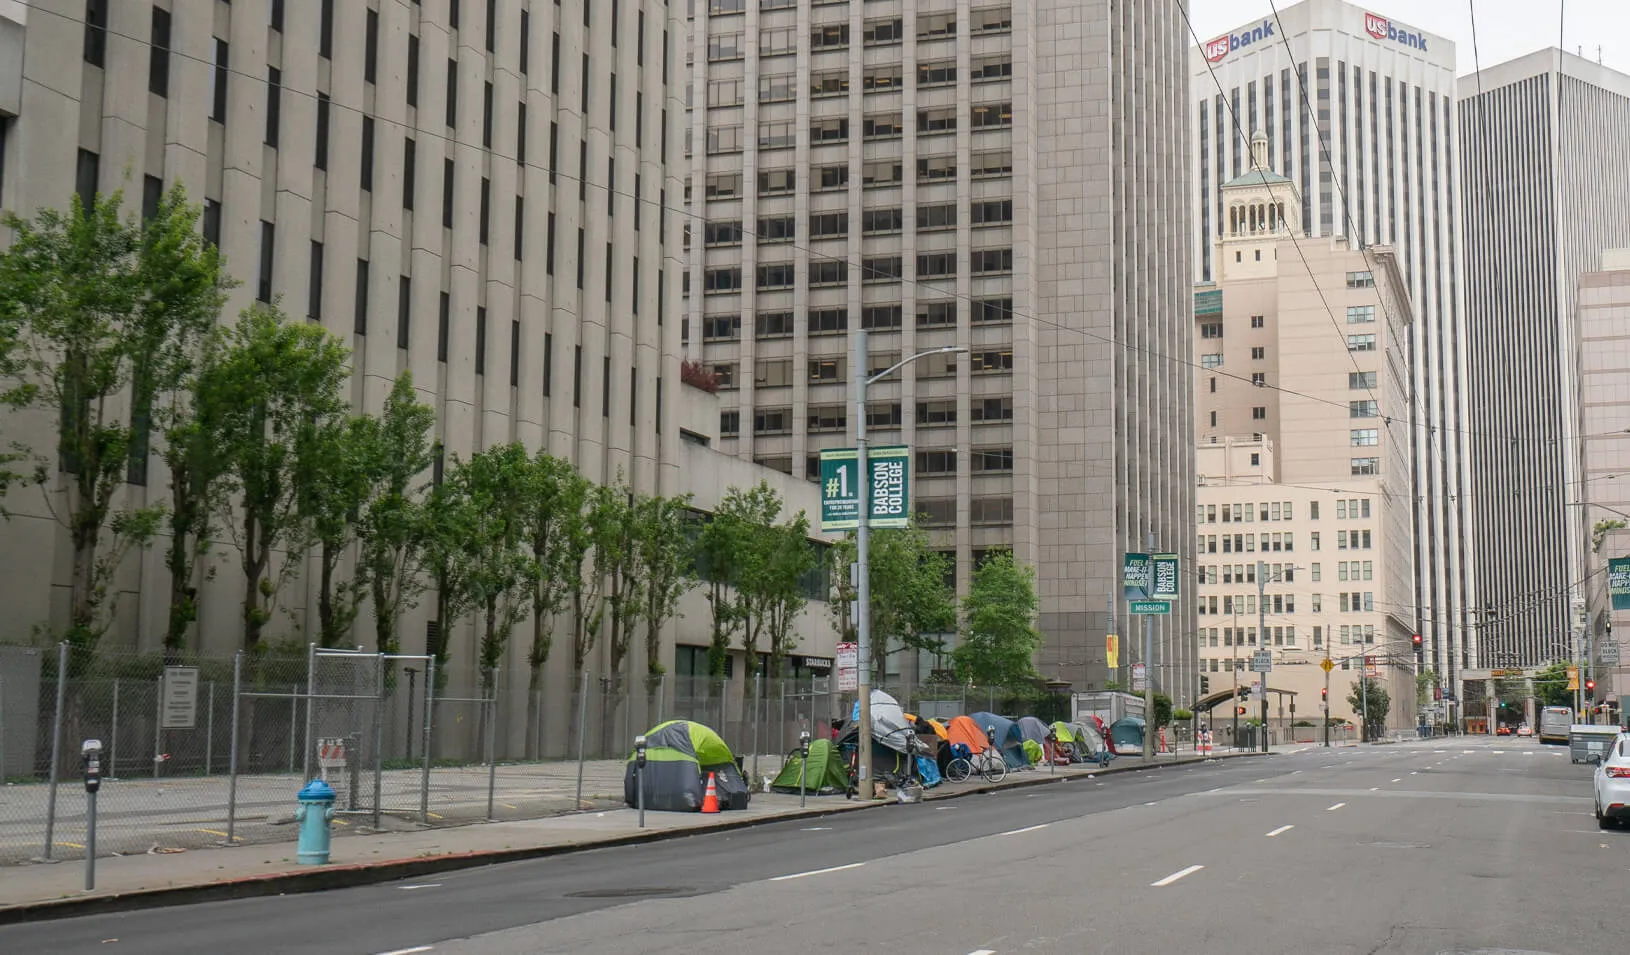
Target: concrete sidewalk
151	879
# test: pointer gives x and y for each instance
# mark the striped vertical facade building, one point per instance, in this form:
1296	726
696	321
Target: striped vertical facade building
1544	171
1359	110
485	193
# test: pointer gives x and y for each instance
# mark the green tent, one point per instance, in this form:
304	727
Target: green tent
1062	731
826	775
680	755
1033	751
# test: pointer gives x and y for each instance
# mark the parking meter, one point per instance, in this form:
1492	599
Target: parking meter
90	753
639	775
803	767
990	734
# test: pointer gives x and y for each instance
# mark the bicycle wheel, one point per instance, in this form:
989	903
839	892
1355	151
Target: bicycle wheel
994	770
958	770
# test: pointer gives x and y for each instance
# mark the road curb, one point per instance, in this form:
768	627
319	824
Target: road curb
353	875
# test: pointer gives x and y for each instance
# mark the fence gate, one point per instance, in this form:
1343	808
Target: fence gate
365	719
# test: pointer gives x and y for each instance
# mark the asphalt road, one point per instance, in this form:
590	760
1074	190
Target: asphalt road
1449	847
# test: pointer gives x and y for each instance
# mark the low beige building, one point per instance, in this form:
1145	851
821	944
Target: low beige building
1304	470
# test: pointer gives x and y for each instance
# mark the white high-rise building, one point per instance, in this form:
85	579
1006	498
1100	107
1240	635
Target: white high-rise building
1360	110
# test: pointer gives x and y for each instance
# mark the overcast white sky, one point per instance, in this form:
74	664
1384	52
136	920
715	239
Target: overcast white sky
1506	29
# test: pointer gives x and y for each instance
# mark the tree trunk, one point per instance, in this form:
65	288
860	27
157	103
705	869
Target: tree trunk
384	613
325	596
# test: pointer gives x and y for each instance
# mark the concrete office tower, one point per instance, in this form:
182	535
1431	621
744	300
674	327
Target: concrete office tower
1302	417
1602	317
998	175
1544	167
478	201
1377	94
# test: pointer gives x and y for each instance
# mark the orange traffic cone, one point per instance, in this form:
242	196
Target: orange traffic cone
710	802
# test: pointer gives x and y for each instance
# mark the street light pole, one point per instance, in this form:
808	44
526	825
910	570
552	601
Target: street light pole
859	366
1149	671
1238	636
1262	635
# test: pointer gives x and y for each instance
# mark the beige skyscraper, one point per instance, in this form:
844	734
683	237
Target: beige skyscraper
1304	466
1005	177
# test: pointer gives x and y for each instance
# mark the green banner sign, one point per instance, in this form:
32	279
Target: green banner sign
1150	606
889	488
840	490
891	485
1618	582
1137	576
1165	577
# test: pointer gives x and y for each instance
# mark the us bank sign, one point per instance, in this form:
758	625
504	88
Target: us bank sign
1219	48
1384	29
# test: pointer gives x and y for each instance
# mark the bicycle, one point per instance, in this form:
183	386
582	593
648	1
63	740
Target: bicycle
988	764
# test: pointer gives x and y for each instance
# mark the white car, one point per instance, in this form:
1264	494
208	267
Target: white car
1525	730
1612	784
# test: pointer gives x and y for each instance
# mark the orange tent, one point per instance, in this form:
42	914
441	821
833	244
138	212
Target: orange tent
964	730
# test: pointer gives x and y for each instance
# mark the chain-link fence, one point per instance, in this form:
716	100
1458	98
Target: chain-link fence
199	752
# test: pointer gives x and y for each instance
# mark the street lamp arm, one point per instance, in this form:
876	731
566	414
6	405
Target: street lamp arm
946	350
1610	510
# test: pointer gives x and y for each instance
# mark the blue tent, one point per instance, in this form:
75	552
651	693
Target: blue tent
1009	739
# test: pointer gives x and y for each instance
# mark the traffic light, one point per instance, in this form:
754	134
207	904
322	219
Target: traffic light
1240	710
1417	639
1502	704
1590	686
1324	693
1205	684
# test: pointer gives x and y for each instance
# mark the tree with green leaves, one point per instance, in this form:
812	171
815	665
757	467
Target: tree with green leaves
750	517
1513	690
14	394
554	498
1371	701
190	422
448	527
393	520
911	603
613	527
717	543
1164	714
1551	686
333	464
668	563
498	567
791	560
1424	682
999	635
285	380
102	315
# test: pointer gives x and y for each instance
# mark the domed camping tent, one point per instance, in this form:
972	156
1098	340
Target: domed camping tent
679	755
825	776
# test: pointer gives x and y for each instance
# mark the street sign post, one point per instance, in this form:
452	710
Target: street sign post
1139	677
1610	654
1150	606
848	663
180	698
1262	661
1327	664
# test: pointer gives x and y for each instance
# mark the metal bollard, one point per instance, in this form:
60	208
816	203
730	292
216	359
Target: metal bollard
639	776
90	752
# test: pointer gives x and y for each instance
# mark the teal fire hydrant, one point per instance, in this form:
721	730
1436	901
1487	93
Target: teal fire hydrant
315	811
